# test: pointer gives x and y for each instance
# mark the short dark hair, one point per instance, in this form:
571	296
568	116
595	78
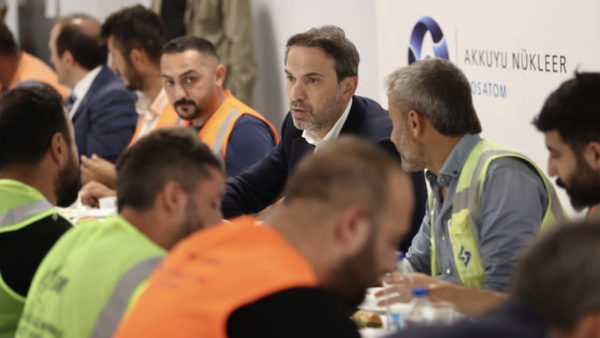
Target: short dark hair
559	275
573	110
30	115
136	27
174	153
8	45
332	40
346	171
85	46
184	43
438	90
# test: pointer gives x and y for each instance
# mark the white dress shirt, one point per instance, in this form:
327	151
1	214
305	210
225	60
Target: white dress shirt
82	87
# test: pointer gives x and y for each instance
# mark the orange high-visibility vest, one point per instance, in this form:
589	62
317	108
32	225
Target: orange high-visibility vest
217	130
593	212
33	68
167	116
211	274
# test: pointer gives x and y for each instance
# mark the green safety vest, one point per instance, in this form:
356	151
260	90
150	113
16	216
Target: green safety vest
464	221
87	281
20	206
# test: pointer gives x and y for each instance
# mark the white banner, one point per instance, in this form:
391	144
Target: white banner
513	52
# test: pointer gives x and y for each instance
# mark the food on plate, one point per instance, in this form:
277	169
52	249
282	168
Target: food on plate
364	319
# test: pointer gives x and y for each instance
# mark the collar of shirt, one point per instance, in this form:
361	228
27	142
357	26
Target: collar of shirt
333	133
82	87
143	104
455	161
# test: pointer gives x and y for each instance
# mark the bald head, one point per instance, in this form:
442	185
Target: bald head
346	172
346	209
79	34
84	23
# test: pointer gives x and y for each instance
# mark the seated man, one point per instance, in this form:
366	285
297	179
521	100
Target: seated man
487	201
38	170
554	292
168	185
321	69
18	66
135	37
102	109
345	212
193	79
571	127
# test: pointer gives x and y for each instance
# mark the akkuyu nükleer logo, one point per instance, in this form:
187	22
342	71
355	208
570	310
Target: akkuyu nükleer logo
424	25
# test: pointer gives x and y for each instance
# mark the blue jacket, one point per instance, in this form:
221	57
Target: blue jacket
106	118
261	185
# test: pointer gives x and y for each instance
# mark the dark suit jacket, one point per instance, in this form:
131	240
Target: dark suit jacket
261	184
512	320
105	119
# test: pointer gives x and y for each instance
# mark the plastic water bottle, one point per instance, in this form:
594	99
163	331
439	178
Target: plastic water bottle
421	311
395	312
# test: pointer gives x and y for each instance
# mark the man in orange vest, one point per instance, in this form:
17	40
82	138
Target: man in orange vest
570	121
193	79
346	210
135	36
17	66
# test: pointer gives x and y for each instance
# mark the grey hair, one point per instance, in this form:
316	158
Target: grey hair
438	90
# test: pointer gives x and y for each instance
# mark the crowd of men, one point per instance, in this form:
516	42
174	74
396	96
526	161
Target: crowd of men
316	212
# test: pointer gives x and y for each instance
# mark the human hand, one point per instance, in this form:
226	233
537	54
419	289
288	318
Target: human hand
97	169
398	286
93	191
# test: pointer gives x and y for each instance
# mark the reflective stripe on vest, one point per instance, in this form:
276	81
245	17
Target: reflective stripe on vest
117	304
21	205
22	212
217	147
464	222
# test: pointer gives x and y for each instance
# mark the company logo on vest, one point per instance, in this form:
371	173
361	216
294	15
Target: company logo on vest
424	25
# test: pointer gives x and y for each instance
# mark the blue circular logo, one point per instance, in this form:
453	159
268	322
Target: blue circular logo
425	24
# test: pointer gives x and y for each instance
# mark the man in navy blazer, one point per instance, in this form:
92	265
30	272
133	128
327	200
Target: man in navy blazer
101	108
322	75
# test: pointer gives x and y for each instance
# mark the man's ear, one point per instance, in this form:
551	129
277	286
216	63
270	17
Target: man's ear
348	86
172	199
415	123
59	149
220	74
67	58
592	155
137	58
352	228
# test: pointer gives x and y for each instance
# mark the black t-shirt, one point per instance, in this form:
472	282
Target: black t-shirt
296	312
22	251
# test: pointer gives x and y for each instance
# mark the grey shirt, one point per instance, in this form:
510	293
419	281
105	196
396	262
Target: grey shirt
513	203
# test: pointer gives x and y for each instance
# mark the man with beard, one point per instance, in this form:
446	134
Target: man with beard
101	108
134	37
38	170
169	185
570	121
487	201
344	215
321	70
193	80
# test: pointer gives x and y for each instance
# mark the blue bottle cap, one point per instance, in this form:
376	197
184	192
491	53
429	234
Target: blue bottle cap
419	292
399	256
